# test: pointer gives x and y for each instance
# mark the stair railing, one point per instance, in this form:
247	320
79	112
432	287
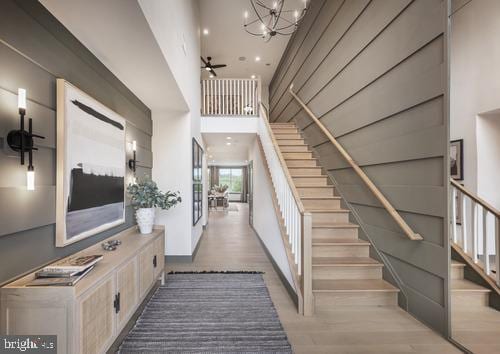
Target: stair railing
378	194
297	222
475	231
230	97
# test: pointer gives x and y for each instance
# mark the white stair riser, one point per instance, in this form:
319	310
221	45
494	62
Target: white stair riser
335	233
339	217
297	155
346	272
288	130
315	192
323	250
321	204
326	300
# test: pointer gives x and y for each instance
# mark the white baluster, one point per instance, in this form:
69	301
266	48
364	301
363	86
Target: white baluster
464	222
474	231
454	213
487	269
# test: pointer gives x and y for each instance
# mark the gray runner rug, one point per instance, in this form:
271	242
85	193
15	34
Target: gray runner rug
228	312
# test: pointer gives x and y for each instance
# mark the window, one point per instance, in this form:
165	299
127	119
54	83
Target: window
232	177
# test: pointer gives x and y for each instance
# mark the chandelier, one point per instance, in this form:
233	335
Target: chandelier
270	19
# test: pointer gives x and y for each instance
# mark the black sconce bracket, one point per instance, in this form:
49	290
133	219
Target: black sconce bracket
22	141
132	163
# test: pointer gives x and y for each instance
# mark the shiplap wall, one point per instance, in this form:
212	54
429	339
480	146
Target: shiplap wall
375	73
35	49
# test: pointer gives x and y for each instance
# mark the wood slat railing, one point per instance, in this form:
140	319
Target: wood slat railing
297	222
230	97
475	233
373	188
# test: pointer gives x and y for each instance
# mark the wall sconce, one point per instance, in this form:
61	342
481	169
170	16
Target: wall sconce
133	161
22	141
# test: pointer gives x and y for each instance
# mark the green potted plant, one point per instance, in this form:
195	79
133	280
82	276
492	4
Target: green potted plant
146	197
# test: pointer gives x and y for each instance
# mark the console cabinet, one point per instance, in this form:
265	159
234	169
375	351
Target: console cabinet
88	317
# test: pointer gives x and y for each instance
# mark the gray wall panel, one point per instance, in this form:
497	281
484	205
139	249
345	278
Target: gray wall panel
35	49
377	79
337	28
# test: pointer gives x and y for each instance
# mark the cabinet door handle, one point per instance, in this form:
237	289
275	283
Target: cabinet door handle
154	261
116	303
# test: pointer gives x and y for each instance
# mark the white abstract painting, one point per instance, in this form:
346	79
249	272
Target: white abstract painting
91	166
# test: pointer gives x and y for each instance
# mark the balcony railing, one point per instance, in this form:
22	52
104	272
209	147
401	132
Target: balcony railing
230	97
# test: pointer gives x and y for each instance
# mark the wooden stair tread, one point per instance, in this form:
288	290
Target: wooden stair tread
457	264
340	241
336	226
346	261
309	176
463	285
322	198
333	211
357	285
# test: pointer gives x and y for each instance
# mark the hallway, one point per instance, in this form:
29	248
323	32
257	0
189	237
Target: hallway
229	243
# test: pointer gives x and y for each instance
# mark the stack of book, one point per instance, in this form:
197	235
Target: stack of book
66	272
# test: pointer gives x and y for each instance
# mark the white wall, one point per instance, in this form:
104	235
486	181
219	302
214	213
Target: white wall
264	217
176	27
475	84
488	152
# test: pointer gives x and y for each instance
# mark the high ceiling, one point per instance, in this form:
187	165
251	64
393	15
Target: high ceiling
227	41
220	153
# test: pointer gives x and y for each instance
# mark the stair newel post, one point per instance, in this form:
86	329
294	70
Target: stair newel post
307	264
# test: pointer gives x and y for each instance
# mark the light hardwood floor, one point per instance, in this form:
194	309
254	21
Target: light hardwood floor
230	244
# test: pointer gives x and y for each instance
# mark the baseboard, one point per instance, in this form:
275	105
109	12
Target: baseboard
290	290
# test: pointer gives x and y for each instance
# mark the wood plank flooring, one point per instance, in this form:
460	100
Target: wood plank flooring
230	244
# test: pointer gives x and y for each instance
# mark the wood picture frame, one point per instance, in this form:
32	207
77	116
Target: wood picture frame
197	199
457	159
91	166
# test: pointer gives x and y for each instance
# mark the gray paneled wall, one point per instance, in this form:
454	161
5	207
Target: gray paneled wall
35	49
375	73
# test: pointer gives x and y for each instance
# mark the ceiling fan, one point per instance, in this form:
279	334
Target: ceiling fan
210	67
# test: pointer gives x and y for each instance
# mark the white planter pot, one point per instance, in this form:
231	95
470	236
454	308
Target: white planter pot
145	219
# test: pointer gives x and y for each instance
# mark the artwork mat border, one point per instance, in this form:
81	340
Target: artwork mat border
61	202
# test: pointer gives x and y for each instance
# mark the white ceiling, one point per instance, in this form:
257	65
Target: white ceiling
227	40
219	153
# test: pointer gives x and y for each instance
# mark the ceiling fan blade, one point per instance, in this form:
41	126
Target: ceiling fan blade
218	66
204	62
213	72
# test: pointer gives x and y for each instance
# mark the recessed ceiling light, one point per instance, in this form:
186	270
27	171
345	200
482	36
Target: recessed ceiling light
257	58
205	31
252	77
228	143
228	138
210	156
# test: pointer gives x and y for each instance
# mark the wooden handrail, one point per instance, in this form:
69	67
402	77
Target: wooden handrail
483	203
289	179
381	198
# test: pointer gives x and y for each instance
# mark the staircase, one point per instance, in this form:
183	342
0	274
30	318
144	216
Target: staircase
466	295
342	271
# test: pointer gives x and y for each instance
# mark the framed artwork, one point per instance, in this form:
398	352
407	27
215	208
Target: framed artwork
457	159
91	163
197	182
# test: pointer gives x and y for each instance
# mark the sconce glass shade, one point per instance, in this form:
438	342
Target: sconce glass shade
30	179
134	145
21	99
